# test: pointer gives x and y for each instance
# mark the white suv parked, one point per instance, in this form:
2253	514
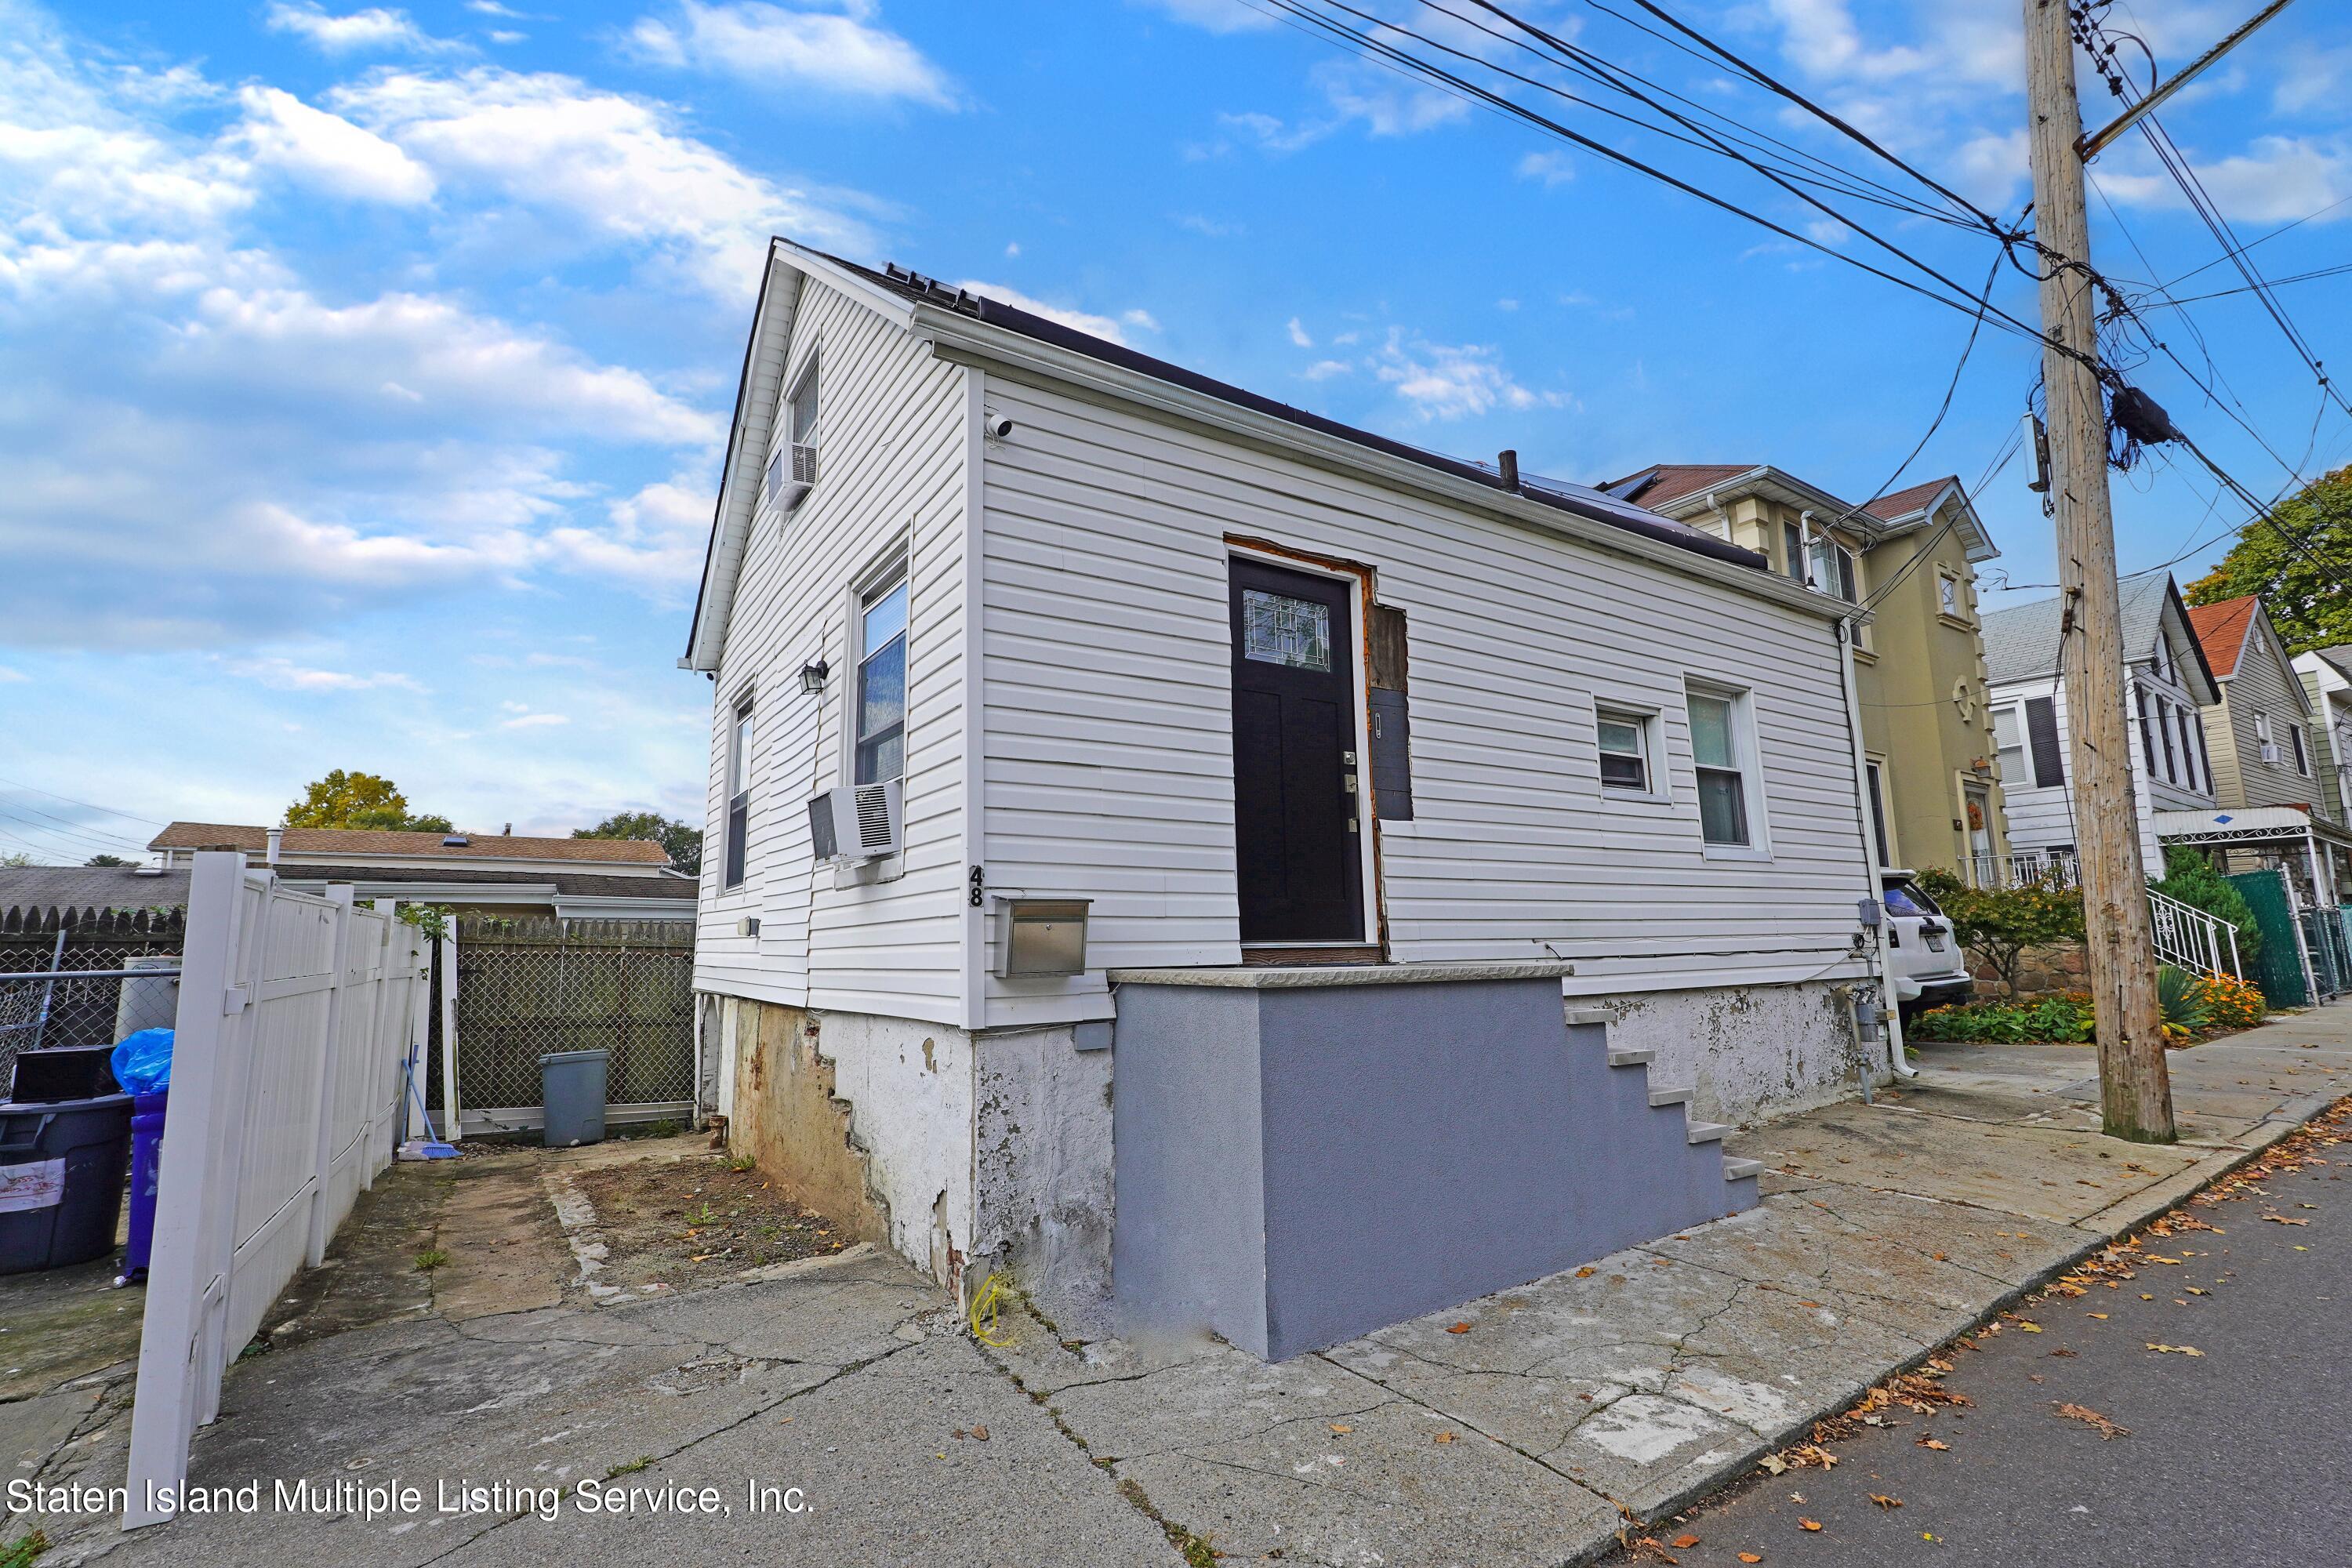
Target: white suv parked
1924	956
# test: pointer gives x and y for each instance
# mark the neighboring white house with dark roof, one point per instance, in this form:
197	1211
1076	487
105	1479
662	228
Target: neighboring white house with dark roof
1355	812
571	878
2168	682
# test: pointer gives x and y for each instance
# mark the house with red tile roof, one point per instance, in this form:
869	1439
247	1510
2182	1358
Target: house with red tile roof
2268	759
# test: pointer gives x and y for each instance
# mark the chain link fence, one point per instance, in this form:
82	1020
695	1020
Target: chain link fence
63	979
527	989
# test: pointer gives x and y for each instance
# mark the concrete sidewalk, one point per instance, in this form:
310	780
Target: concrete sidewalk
1520	1428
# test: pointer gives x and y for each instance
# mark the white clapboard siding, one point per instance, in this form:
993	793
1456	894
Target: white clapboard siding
1107	772
891	469
2044	818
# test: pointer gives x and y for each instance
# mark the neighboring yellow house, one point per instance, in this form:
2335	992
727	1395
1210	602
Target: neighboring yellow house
1919	666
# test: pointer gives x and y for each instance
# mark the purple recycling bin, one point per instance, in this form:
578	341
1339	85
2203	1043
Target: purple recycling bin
146	1159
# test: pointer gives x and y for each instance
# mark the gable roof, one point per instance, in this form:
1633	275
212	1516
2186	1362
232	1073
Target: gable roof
91	888
900	294
1670	482
1915	499
367	841
1665	487
2221	629
2020	642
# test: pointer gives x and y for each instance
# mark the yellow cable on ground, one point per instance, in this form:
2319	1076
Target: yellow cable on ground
983	1306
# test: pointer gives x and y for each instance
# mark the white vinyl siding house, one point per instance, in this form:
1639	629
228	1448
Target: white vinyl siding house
889	493
1047	543
1109	764
2166	680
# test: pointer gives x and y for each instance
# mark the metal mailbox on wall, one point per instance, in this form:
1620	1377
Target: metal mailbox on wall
1041	936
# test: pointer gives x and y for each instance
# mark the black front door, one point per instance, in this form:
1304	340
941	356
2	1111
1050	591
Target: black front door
1294	757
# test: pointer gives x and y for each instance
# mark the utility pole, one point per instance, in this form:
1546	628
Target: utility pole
2135	1088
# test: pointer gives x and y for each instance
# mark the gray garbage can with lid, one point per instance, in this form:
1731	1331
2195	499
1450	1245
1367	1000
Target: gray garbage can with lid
571	1092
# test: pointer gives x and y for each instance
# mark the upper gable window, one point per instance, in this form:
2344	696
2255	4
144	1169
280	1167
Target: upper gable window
2164	658
803	409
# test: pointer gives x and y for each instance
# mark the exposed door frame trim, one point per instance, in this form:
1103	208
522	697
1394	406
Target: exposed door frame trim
1374	910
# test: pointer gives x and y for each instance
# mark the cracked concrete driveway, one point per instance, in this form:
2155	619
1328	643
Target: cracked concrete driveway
1521	1428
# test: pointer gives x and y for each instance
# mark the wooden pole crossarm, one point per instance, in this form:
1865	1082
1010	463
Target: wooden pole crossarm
2091	147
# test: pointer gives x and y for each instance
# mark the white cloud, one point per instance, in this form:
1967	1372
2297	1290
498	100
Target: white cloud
375	30
1299	334
1325	368
1354	92
327	151
835	49
282	674
1820	36
1086	322
534	722
1454	381
653	541
1551	168
8	675
613	170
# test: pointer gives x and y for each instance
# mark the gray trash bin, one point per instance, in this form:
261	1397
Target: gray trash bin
572	1093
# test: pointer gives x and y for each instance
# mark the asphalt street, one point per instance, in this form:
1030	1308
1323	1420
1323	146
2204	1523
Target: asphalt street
2233	1456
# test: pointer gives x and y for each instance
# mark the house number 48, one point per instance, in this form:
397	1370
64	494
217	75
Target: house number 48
979	882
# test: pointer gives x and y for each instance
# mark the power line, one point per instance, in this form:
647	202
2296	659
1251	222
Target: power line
86	806
1434	72
1755	74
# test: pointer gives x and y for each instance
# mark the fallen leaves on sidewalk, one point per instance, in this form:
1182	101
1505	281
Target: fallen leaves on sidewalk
1808	1524
2092	1419
2174	1350
1443	1438
1685	1541
1458	1329
1935	1443
1751	1557
2282	1219
1884	1502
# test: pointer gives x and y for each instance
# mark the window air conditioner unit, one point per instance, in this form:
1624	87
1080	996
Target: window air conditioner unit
855	822
2269	751
791	474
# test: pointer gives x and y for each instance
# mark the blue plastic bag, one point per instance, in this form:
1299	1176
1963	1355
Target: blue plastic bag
142	1062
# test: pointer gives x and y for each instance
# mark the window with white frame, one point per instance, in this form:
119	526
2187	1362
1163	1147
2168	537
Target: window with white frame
1878	813
2163	660
803	408
1624	742
2302	756
1833	570
881	717
1792	550
738	793
1948	595
2008	748
1725	767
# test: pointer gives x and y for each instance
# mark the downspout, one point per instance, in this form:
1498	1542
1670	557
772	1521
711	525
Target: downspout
1890	1013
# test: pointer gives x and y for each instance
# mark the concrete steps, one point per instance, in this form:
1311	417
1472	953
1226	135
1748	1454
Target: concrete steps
1704	1138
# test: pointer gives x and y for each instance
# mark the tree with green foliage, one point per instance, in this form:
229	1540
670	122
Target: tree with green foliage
2001	925
683	844
2190	877
16	859
107	860
2305	590
359	800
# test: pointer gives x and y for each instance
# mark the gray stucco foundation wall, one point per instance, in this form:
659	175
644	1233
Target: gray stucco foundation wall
1745	1051
1415	1146
1043	1181
1188	1248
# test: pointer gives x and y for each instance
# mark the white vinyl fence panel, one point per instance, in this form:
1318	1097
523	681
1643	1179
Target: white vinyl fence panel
296	1014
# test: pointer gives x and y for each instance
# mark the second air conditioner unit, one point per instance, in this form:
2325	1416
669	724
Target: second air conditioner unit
2269	751
791	473
855	822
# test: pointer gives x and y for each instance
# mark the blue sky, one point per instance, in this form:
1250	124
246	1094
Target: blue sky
363	371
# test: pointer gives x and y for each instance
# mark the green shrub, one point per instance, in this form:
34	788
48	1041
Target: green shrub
2177	998
1999	924
2190	877
2065	1018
